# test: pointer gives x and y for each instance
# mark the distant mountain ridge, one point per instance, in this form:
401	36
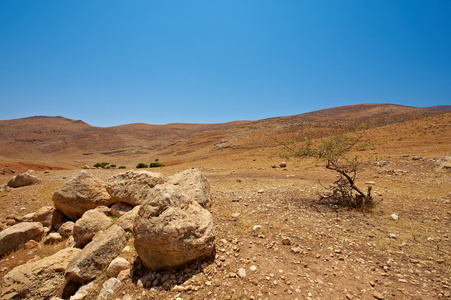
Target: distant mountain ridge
440	108
49	137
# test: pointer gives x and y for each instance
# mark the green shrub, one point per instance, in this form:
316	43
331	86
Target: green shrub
141	166
101	165
113	166
121	167
155	165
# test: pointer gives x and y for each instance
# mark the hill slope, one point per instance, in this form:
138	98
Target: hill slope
57	137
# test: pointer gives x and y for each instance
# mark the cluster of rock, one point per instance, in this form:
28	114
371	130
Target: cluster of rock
168	219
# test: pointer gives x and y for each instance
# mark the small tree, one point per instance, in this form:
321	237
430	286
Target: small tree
335	153
142	166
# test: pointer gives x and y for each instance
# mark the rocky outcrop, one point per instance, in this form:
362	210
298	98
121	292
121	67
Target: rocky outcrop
194	184
81	194
172	229
97	255
17	235
41	279
23	179
133	187
89	224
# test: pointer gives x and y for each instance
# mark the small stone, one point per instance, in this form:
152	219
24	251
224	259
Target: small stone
235	215
286	241
394	217
253	268
392	236
378	295
257	228
31	244
241	272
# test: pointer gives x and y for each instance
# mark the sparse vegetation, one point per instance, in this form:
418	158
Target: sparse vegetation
121	167
142	166
335	153
155	165
102	165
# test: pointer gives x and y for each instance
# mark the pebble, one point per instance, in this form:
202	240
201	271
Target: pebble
253	268
241	272
378	295
257	228
392	236
394	217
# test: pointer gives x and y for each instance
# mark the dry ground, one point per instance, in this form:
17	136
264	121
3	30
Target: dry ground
333	253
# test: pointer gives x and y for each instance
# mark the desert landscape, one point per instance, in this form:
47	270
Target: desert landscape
274	238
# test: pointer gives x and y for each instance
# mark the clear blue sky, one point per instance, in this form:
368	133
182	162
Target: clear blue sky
117	62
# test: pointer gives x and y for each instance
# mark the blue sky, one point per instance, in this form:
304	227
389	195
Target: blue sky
117	62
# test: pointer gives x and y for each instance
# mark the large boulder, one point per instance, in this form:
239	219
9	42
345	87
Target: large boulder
172	230
81	194
443	164
41	279
132	187
17	235
89	224
97	255
194	184
23	179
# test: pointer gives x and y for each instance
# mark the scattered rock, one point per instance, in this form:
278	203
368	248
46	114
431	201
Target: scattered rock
194	184
41	279
257	228
89	263
286	241
89	224
66	229
81	194
392	236
417	158
116	266
31	244
53	238
172	230
241	272
382	163
394	217
13	237
44	215
108	288
283	164
133	187
23	179
378	295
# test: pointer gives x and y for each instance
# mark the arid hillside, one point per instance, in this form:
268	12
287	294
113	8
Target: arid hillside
57	138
